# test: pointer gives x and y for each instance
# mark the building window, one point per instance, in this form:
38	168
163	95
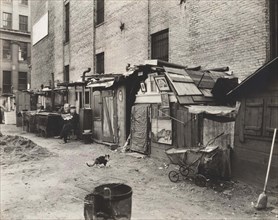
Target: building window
22	81
22	51
7	82
24	2
7	49
23	23
67	22
7	20
87	98
100	12
66	74
273	28
160	45
100	63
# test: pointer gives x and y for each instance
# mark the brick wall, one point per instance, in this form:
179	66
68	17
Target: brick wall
43	52
81	37
210	33
129	45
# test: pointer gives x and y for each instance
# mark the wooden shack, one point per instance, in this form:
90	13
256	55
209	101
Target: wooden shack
255	122
112	98
165	115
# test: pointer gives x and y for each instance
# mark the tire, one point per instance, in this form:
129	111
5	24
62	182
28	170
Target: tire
200	180
173	176
184	171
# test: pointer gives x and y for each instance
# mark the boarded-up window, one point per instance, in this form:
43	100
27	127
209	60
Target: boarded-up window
271	116
253	116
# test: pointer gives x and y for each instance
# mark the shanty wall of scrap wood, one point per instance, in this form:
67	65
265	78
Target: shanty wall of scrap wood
184	135
119	112
252	147
213	128
195	130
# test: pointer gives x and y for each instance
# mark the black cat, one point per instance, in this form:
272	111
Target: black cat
100	160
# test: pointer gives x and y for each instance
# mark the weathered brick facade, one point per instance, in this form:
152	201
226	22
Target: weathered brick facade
210	33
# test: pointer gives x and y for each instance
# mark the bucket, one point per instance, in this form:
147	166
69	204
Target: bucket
109	201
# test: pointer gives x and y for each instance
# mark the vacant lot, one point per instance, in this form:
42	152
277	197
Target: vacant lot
43	179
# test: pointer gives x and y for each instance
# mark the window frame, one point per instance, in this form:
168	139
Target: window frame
100	63
4	50
8	21
4	84
23	52
25	78
100	11
159	41
23	23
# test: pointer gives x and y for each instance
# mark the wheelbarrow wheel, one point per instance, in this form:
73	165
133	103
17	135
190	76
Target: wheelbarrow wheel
173	176
200	180
184	171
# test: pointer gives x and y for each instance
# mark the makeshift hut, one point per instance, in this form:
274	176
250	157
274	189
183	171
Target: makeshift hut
176	107
255	122
113	96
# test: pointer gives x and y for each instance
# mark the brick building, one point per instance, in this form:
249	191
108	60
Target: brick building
15	51
107	35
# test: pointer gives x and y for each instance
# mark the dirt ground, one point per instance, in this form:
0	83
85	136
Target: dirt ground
49	180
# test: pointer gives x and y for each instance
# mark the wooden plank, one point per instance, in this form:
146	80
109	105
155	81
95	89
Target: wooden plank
256	157
107	115
241	121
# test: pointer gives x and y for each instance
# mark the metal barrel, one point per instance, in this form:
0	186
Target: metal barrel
109	201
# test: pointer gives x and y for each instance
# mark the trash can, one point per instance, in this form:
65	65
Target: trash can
109	201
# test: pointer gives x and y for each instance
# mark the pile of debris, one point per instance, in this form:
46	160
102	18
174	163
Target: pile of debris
16	149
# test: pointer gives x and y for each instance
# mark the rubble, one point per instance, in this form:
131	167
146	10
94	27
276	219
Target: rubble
16	149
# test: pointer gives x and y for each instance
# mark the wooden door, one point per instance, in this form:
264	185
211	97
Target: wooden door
109	120
140	128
